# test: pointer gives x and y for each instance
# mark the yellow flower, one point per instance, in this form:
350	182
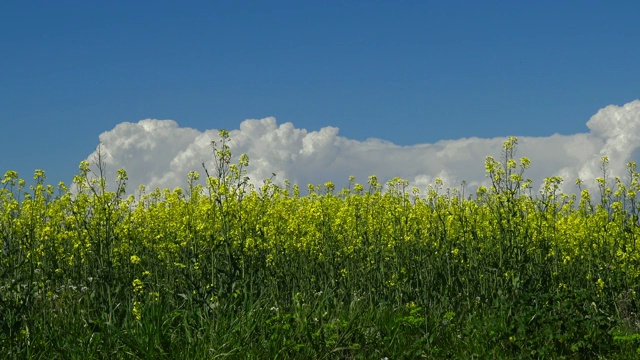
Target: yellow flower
137	285
137	313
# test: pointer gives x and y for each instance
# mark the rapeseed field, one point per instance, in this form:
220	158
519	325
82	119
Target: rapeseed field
223	269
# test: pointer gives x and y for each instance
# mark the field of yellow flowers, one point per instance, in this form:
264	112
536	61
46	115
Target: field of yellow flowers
223	269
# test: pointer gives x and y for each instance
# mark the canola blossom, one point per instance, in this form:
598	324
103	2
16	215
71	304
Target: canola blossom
434	259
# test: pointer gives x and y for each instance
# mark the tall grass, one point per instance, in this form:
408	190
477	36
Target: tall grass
226	270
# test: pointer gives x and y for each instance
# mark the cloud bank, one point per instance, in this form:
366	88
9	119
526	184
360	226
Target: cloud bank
160	153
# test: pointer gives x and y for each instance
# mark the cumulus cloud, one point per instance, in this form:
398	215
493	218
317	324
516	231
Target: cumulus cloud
160	153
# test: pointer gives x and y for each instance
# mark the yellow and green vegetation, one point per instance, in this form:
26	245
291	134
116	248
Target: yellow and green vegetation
224	269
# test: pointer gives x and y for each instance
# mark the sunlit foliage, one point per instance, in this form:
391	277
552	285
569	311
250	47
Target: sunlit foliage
223	268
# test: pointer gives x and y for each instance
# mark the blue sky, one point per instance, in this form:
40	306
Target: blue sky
408	72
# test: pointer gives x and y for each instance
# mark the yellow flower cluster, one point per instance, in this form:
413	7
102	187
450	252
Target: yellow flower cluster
215	231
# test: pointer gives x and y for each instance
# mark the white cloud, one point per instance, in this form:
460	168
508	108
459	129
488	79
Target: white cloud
161	153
